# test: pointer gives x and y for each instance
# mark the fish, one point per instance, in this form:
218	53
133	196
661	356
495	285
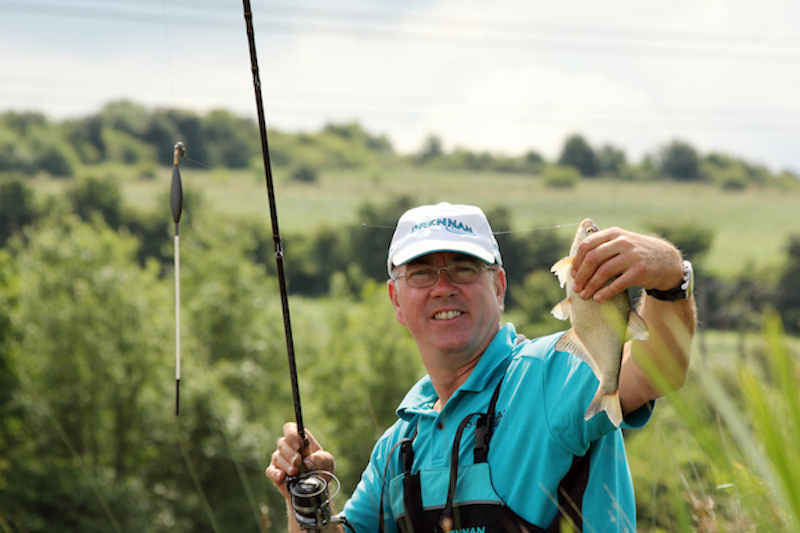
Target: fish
598	331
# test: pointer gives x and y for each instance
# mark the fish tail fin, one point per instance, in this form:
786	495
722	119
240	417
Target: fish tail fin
606	402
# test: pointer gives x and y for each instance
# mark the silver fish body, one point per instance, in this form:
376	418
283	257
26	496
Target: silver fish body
598	332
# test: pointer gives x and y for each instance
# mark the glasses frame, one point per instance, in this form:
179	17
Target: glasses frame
446	268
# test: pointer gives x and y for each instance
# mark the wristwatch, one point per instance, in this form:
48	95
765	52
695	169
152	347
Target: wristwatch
683	291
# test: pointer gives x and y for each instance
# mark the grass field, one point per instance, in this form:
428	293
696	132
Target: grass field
750	227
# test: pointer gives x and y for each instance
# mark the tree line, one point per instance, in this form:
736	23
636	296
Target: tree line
128	133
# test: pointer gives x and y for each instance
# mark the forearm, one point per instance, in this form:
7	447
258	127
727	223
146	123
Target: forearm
655	367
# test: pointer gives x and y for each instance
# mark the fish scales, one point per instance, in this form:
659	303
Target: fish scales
598	333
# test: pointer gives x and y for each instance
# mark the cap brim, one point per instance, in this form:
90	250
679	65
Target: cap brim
418	249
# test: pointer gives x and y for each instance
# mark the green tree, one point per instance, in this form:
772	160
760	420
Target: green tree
579	154
431	149
230	141
680	161
370	237
611	160
17	207
89	334
692	239
788	301
97	195
361	370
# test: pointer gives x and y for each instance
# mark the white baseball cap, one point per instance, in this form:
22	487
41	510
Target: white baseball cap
443	228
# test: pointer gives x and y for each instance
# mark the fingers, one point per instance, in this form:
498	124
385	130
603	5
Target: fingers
610	261
287	458
601	258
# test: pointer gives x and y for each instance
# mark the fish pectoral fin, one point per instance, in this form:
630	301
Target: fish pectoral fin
562	308
608	403
637	328
562	268
571	343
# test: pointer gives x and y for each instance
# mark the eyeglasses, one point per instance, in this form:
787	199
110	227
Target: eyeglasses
422	276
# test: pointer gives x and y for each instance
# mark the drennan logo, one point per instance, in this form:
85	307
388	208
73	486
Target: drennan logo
450	224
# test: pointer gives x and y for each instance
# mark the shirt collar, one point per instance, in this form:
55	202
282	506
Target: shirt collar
422	395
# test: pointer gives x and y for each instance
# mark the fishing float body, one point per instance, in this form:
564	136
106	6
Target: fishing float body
176	203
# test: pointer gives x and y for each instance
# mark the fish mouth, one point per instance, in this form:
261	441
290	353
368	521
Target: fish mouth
447	315
589	226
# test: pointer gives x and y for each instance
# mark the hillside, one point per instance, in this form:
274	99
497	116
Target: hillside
750	227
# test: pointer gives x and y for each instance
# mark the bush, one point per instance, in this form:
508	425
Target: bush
561	177
304	174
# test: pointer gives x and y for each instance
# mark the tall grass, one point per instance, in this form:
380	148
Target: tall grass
743	414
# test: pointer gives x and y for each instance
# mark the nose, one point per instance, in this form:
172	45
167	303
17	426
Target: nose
443	283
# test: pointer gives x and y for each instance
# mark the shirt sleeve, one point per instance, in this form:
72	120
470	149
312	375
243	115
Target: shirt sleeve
362	509
569	386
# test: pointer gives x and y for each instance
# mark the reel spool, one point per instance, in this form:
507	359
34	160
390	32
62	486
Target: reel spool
310	500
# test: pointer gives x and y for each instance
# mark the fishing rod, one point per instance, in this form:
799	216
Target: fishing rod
309	490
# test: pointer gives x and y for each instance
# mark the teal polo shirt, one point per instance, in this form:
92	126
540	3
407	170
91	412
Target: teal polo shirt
539	431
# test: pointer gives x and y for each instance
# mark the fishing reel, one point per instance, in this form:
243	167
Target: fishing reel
310	500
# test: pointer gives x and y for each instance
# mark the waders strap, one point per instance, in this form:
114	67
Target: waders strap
484	427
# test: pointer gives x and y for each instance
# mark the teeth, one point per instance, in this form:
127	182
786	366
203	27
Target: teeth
446	315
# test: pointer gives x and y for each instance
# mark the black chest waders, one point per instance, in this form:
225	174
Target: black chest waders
472	505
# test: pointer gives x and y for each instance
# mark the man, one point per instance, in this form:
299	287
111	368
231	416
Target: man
494	437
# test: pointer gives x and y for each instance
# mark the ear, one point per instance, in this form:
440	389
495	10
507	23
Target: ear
500	285
391	285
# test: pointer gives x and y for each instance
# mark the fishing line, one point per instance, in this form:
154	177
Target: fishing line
539	228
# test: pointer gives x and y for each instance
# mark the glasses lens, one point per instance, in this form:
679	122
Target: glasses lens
460	272
464	272
421	276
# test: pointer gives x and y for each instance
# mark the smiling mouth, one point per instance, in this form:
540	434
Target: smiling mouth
446	315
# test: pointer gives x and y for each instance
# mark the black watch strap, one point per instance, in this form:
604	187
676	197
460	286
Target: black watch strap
683	291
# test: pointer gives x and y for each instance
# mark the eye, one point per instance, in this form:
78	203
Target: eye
466	267
420	272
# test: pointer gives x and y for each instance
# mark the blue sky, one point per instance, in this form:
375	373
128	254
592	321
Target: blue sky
500	75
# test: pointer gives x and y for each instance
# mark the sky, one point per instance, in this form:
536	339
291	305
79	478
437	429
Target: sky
506	76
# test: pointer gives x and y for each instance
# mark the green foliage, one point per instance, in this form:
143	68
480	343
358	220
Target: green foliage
230	141
366	363
304	174
579	154
611	161
17	207
29	144
561	177
97	195
732	446
691	238
535	299
680	161
788	301
369	240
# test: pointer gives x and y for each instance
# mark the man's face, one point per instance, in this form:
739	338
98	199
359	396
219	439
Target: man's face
456	321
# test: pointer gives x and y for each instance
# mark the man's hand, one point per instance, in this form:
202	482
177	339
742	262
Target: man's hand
632	258
286	459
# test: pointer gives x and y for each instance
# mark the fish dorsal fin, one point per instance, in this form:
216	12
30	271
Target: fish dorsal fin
562	309
571	343
637	328
562	268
